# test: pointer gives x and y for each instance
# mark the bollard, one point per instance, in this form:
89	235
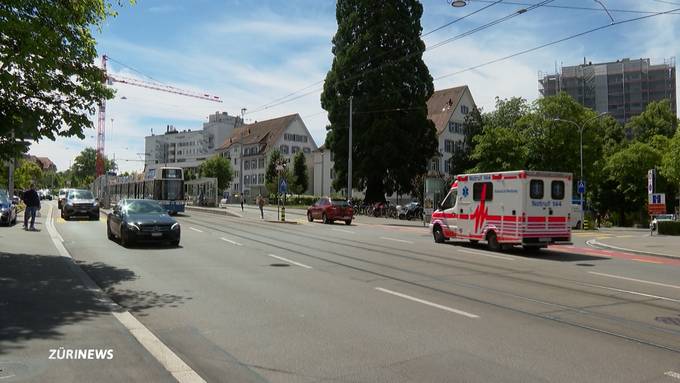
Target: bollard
283	214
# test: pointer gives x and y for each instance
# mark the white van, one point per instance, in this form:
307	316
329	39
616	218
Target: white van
504	209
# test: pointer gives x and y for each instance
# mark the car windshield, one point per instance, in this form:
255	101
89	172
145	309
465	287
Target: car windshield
3	199
80	194
665	217
144	207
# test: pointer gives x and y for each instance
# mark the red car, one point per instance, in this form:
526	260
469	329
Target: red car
329	210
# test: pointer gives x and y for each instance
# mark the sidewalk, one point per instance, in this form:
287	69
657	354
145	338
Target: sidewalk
45	306
657	245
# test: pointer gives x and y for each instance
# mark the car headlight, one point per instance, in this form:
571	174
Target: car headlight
175	226
133	226
95	204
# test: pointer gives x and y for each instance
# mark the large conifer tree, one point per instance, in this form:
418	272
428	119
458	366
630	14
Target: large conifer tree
378	61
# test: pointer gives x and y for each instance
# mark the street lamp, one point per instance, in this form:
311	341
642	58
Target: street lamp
580	131
458	3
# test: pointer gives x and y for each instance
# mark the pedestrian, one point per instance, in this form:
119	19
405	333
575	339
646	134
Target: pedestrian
260	204
242	200
32	202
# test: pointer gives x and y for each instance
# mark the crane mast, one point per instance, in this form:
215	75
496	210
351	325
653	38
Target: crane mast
101	118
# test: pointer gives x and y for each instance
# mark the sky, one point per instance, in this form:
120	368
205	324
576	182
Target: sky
251	53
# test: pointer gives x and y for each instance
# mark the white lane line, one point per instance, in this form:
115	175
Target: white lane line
168	359
396	240
343	231
633	292
230	241
673	374
441	307
634	280
289	261
486	255
195	229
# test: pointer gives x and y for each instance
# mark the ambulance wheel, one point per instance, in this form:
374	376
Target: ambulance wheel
438	235
492	242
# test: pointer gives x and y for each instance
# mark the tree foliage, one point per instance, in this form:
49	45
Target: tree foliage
218	167
378	62
84	167
49	82
26	174
300	176
657	119
271	176
671	160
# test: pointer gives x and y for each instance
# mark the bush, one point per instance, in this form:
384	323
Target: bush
669	227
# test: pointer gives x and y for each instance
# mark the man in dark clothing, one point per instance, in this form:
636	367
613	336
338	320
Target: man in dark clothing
32	202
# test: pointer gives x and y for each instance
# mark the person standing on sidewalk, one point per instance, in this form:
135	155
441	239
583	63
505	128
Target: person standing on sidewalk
32	202
260	204
242	200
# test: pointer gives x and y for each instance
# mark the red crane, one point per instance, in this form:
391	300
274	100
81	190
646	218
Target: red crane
109	80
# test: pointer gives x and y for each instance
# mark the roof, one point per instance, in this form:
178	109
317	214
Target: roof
264	132
46	162
442	104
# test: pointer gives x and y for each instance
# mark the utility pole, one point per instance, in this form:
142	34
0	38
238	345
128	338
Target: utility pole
349	158
10	181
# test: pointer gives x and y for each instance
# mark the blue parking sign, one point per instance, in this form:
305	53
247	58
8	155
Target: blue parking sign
581	187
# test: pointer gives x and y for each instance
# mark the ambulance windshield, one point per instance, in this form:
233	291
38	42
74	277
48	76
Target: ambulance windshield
450	200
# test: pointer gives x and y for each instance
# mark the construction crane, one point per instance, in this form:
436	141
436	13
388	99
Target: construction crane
109	80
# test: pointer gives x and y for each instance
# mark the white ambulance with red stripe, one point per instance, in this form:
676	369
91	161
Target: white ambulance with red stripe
526	208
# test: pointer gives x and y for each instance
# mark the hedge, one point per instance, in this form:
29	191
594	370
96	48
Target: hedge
669	227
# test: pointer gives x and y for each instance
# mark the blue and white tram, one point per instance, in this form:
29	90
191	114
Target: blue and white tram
163	184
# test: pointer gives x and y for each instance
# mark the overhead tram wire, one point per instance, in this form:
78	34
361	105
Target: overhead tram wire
422	35
556	42
435	46
581	8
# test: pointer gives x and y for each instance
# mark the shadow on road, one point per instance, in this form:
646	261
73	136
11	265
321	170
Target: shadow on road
40	294
546	254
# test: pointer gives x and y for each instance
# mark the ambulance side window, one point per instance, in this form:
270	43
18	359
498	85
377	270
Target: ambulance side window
536	189
480	187
557	190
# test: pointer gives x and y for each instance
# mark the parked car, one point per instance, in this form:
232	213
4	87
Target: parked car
62	197
329	210
8	210
78	203
410	211
660	218
134	220
576	218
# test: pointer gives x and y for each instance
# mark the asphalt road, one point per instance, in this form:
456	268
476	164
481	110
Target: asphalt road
244	300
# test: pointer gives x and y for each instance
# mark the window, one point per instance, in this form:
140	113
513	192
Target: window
448	146
447	166
261	163
260	179
557	190
253	164
246	165
295	149
482	191
284	149
306	150
246	180
464	109
536	189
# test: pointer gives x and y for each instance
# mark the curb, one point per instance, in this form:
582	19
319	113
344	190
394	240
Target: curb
594	243
284	222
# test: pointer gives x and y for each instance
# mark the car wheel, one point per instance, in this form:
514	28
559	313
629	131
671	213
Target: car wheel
348	222
492	242
309	217
324	218
125	238
438	234
109	233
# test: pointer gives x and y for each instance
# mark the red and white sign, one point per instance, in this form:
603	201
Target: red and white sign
657	203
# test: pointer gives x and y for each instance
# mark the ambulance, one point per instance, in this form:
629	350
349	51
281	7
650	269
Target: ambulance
524	208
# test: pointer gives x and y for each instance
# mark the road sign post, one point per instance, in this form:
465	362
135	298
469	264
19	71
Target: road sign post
581	191
283	189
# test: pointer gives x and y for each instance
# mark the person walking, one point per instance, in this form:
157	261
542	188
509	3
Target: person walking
260	204
32	202
242	200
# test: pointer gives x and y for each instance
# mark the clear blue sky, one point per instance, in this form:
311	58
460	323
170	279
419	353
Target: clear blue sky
250	53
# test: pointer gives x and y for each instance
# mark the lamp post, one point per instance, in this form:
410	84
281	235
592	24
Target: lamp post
580	131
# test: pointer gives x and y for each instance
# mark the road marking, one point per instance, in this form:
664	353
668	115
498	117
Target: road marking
445	308
289	261
647	261
230	241
343	231
633	292
169	360
396	240
673	374
195	229
635	280
624	236
486	255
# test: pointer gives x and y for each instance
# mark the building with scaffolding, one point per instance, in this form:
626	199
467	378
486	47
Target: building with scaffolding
622	88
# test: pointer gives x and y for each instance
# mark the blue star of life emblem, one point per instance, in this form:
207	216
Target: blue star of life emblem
466	191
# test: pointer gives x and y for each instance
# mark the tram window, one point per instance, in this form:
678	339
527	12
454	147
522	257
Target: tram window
172	173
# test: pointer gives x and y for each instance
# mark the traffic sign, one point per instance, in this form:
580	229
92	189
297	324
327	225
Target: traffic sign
581	187
657	203
283	187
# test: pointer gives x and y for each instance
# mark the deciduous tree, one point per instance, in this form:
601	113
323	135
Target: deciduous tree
218	167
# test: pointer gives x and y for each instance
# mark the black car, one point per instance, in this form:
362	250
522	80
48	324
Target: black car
8	210
135	220
80	202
